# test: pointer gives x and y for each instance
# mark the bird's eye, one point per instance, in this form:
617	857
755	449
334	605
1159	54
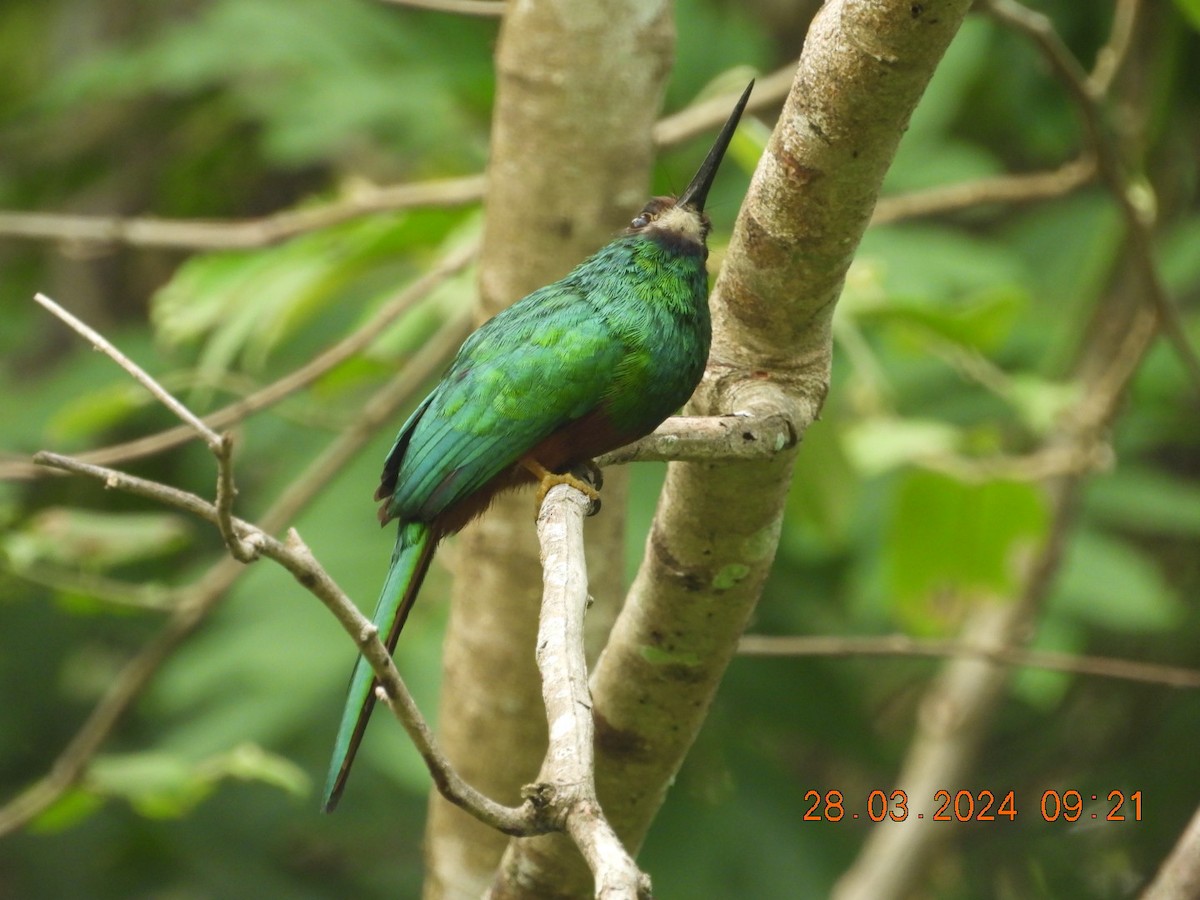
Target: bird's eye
641	220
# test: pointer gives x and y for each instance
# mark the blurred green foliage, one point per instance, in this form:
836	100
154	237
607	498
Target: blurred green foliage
955	336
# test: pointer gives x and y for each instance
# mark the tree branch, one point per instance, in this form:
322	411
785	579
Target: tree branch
709	439
99	342
491	8
904	645
196	603
295	556
239	234
863	68
1137	209
244	551
958	706
220	445
567	779
1179	877
1005	189
1115	51
405	299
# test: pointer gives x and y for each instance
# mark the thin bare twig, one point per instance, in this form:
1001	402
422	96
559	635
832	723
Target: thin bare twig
1136	210
519	821
1113	54
709	438
142	487
220	445
903	645
295	556
701	117
244	551
239	234
490	8
99	342
1005	189
198	601
360	200
405	299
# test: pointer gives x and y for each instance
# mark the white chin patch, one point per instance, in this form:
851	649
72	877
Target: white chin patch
683	222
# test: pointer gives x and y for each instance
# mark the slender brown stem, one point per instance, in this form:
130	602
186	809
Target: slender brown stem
1138	213
357	341
903	645
200	599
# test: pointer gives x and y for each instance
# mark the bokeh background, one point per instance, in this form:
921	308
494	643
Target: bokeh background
955	338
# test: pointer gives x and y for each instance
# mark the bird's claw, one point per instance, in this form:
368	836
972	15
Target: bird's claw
553	479
590	472
585	478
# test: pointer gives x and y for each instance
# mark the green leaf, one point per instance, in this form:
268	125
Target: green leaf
244	305
163	785
157	785
93	540
412	331
1109	583
250	762
749	143
980	321
1145	500
936	263
1045	688
71	809
1180	261
91	412
880	443
315	79
947	537
825	487
1040	402
1190	9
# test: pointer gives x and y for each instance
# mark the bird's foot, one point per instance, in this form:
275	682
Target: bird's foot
589	472
582	478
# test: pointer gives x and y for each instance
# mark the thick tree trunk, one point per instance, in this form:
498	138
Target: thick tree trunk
864	67
579	85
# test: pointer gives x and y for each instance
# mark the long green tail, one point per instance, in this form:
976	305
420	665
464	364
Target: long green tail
410	560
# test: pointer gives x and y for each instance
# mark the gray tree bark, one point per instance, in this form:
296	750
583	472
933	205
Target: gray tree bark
864	67
579	85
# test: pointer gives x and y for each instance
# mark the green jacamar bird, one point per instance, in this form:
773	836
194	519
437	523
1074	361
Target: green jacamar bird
578	368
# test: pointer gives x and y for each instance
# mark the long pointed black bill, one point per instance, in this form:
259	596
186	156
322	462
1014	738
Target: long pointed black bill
696	193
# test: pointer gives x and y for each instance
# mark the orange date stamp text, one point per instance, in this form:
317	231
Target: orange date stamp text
974	806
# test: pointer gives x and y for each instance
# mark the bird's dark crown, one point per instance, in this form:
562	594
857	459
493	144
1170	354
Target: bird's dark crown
679	227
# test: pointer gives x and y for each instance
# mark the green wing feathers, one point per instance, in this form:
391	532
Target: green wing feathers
410	560
532	369
624	336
